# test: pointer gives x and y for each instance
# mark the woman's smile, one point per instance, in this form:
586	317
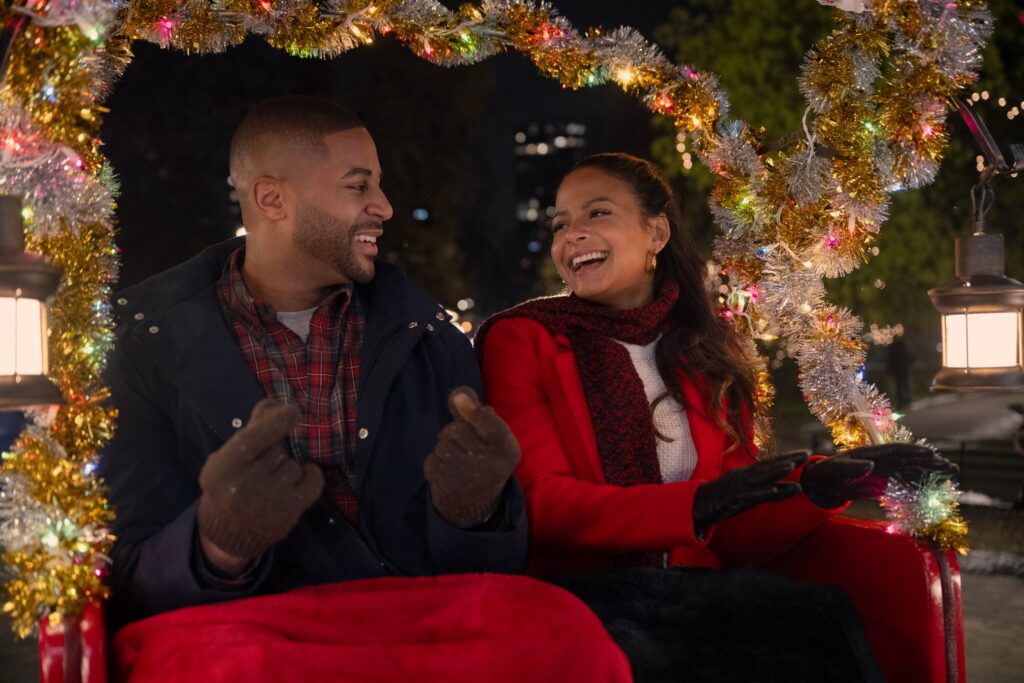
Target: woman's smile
585	263
603	243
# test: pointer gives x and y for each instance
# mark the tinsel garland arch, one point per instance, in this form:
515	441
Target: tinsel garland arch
878	90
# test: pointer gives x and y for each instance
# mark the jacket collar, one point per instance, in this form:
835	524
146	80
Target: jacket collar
391	294
176	314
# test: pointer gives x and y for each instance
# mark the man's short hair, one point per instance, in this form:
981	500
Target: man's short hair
295	120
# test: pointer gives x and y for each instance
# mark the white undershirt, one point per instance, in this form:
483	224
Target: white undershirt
676	458
297	321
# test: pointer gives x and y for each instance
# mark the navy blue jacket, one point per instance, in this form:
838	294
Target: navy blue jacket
182	388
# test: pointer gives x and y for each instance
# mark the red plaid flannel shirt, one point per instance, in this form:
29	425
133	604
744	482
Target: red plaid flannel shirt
318	375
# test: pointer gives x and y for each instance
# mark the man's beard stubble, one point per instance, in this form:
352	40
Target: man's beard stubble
331	241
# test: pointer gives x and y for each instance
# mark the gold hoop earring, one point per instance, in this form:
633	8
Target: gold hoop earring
654	262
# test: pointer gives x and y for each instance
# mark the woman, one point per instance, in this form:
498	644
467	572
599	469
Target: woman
632	407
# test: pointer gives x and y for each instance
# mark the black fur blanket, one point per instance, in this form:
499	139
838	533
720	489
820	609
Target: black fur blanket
728	626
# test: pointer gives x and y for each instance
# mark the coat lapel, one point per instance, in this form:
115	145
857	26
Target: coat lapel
396	316
708	438
193	339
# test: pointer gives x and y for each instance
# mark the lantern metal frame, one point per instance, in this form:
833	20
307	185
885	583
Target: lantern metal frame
981	285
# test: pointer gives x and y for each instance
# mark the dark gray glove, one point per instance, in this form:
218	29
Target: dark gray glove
475	455
253	493
864	472
740	489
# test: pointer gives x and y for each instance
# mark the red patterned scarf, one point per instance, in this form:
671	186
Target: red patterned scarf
615	394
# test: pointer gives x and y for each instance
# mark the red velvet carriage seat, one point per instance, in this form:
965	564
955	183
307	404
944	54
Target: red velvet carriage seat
908	597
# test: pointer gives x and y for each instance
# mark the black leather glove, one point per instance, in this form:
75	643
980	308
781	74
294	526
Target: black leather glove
475	455
253	492
864	472
740	489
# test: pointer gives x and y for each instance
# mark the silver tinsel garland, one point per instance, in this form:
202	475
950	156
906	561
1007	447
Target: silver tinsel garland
50	178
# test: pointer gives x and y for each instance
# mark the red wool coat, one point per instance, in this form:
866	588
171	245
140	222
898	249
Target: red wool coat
578	522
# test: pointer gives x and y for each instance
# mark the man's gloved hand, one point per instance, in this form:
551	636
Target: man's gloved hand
740	489
473	460
864	472
253	492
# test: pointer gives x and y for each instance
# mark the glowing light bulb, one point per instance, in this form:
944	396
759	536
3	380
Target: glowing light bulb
166	27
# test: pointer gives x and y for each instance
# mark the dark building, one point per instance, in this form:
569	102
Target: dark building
543	152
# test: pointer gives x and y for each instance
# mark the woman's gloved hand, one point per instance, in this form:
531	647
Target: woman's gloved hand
474	457
740	489
253	492
864	472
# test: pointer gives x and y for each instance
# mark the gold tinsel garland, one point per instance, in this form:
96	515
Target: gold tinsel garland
63	565
787	217
52	508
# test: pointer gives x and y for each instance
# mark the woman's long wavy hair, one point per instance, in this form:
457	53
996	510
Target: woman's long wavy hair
698	342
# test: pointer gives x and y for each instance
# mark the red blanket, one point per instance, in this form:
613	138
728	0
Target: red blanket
491	628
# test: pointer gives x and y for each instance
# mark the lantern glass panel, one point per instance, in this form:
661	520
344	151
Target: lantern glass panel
23	342
982	340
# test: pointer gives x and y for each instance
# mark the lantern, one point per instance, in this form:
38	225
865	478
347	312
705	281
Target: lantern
982	348
26	281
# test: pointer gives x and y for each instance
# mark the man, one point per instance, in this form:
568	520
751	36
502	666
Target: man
299	326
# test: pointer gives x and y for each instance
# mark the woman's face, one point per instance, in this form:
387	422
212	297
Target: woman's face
603	243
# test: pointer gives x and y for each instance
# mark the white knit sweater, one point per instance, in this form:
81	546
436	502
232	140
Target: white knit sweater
678	457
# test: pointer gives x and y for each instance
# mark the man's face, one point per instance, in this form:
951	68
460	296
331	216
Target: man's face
341	208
